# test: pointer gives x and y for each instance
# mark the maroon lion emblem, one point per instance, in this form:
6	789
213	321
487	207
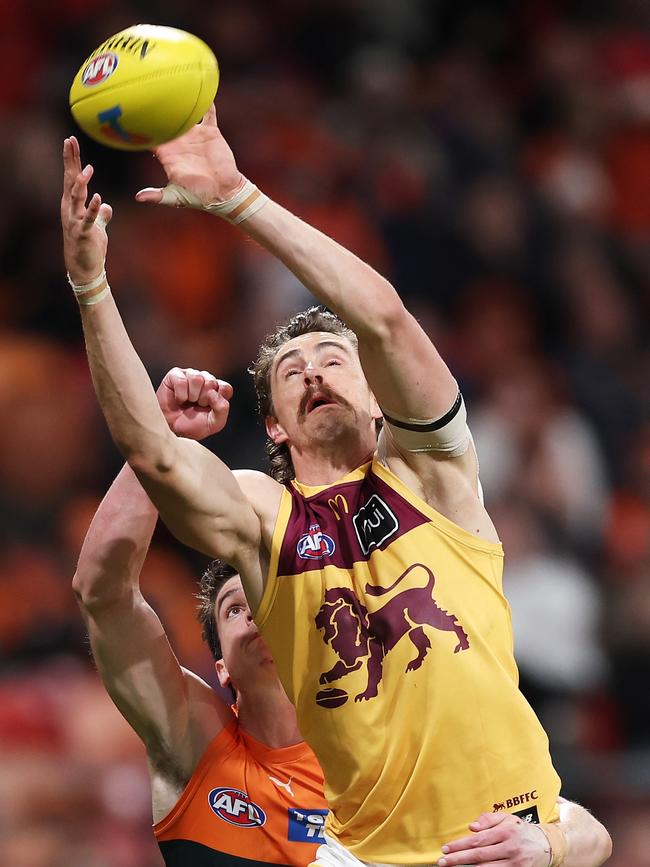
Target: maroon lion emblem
361	637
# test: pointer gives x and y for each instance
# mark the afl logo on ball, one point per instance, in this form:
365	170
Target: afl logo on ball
236	808
331	697
99	69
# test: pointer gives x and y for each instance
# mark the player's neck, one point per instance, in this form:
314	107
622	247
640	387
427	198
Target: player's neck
266	714
327	464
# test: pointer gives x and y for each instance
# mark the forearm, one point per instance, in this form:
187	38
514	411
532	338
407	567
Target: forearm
116	544
127	639
588	843
576	840
124	390
364	299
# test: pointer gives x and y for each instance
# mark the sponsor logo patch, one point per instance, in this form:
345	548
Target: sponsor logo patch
530	814
374	523
236	808
338	505
111	127
306	826
516	801
315	544
99	69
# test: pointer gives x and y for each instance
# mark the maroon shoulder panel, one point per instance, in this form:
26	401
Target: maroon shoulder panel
344	524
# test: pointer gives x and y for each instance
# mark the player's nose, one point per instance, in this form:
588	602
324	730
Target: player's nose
312	374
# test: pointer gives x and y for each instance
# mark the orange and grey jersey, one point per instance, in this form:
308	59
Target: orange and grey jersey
246	805
393	639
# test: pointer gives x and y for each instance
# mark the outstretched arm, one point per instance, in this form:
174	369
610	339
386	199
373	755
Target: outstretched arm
410	380
172	711
404	369
577	840
195	493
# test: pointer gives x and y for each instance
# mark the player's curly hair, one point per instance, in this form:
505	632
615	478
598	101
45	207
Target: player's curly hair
313	319
212	580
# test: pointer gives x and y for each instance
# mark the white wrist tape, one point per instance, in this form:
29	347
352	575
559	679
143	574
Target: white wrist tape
93	292
246	202
448	435
557	843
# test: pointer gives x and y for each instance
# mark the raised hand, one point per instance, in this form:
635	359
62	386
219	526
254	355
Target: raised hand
194	402
200	162
502	838
84	227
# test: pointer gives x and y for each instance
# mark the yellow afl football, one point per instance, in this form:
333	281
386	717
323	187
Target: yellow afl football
144	86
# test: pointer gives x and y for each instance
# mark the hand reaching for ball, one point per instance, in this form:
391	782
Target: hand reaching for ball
84	226
201	162
194	402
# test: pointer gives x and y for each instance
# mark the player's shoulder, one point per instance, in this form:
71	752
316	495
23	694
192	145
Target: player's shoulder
258	487
256	477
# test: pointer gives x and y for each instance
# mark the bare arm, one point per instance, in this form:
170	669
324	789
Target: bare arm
512	842
173	712
404	369
195	493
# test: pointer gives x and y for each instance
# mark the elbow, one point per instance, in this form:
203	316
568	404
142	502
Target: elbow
94	597
83	591
604	845
387	322
78	587
152	462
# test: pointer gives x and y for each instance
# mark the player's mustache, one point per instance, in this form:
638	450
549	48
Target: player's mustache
322	390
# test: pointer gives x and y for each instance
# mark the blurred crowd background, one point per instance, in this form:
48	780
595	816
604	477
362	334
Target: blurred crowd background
493	160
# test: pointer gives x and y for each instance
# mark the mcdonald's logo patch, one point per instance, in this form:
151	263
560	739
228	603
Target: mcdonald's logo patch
339	505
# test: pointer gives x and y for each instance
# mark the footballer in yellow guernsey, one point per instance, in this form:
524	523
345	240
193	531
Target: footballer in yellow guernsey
399	662
367	556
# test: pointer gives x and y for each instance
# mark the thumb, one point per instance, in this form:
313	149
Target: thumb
217	401
219	409
104	216
173	195
487	820
225	389
149	194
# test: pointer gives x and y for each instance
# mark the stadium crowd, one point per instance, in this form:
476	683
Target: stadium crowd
493	159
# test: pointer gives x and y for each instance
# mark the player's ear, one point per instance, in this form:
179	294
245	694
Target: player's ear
275	430
222	673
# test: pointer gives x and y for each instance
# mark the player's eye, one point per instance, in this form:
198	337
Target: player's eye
332	362
234	609
292	372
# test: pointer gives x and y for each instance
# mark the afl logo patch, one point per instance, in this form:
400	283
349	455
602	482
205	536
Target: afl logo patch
99	69
315	544
236	808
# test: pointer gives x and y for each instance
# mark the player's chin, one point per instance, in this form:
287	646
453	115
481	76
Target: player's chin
331	423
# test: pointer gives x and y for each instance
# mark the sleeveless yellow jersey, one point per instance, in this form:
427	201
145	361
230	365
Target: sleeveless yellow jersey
393	639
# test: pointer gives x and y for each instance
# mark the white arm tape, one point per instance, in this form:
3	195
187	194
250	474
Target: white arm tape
239	207
449	435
